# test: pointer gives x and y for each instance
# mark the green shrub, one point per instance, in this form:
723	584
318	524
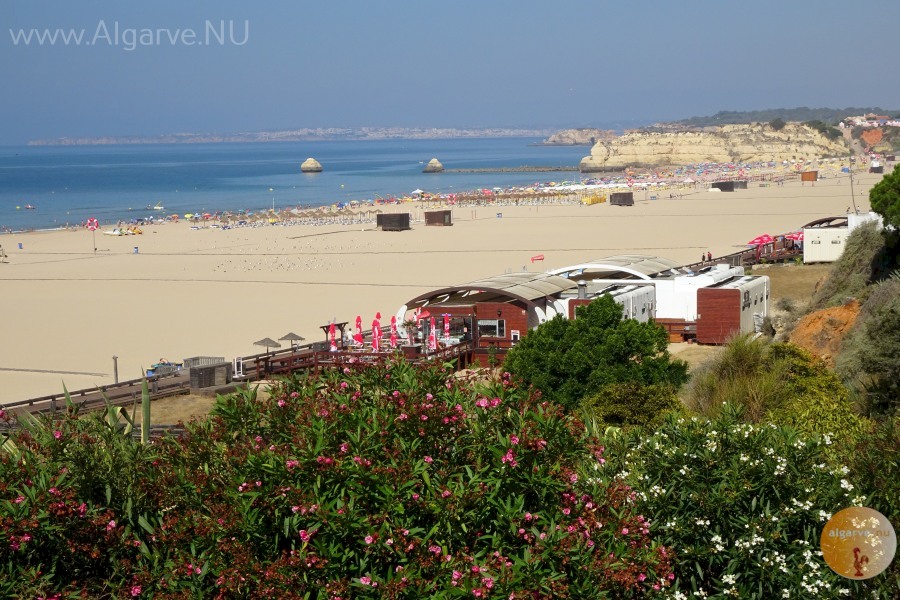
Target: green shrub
776	383
629	404
742	506
865	260
870	355
777	124
568	359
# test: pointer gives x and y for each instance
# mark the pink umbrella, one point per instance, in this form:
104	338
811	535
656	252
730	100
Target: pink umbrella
376	333
358	336
331	334
761	240
432	337
446	326
797	236
394	331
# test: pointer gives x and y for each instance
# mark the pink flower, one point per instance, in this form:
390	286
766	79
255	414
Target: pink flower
513	439
424	417
57	434
642	577
445	493
135	591
369	539
624	531
434	549
111	525
304	536
428	459
281	403
365	580
345	447
344	385
487	582
403	416
19	499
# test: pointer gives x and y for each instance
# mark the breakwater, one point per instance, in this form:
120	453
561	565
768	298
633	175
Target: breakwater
523	169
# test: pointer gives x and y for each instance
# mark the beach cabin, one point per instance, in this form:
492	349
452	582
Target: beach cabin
811	176
621	198
392	221
722	186
439	218
824	239
740	184
731	308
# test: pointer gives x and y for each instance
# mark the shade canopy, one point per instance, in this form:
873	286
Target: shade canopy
268	343
292	337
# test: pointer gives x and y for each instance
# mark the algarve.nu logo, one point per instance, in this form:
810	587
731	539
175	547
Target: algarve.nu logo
858	543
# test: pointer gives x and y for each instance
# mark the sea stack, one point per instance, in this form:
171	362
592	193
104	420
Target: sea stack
433	166
311	165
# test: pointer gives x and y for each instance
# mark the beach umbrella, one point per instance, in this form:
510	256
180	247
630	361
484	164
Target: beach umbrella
446	326
331	336
268	343
358	336
432	337
797	236
292	337
376	333
394	331
761	240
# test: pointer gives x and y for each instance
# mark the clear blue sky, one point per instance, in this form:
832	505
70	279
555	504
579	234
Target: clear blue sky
454	63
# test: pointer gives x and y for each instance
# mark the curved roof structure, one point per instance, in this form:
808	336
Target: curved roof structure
623	266
525	287
840	221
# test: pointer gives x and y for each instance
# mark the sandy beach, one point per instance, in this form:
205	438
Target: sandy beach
189	292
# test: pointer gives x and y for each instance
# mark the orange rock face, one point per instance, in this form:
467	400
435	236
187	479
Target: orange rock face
872	136
823	331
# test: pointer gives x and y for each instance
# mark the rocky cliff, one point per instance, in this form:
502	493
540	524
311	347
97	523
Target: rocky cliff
726	143
579	137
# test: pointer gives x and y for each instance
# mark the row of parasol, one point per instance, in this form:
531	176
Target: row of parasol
393	339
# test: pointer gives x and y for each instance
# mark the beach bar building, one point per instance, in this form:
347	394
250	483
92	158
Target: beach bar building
621	199
392	221
439	218
710	306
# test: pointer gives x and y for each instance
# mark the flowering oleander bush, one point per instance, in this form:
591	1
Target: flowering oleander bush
742	506
387	481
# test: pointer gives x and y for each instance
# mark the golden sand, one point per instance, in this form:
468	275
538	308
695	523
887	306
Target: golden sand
67	310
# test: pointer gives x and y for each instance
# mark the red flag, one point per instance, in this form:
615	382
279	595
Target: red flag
432	337
331	334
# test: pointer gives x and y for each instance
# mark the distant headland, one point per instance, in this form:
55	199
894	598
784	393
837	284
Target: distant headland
301	135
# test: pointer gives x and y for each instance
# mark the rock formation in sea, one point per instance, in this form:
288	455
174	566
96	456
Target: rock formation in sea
722	144
311	165
433	166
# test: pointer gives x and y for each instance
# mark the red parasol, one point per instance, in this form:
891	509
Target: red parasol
797	236
394	331
358	336
376	333
761	240
432	337
331	334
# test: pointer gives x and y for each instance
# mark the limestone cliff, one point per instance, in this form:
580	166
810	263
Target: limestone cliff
726	143
579	137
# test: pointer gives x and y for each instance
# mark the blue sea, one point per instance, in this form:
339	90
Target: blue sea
70	184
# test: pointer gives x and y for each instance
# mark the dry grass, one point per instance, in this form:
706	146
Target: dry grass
794	282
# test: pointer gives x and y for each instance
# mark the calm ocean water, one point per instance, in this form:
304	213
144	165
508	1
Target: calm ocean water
69	184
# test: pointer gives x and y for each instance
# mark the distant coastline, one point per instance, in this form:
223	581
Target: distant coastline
300	135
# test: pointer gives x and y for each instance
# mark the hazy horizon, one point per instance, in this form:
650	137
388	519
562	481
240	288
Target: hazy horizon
106	68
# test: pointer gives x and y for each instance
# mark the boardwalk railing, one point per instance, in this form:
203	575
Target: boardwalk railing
118	393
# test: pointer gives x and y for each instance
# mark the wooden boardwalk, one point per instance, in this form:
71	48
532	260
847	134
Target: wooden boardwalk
257	367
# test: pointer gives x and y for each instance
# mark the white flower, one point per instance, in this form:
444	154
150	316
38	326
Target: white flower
729	579
846	485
